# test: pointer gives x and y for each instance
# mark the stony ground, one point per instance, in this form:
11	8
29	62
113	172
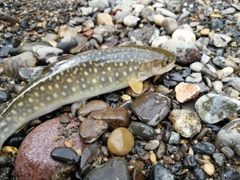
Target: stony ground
183	125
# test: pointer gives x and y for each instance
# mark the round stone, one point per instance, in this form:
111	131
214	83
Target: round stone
120	141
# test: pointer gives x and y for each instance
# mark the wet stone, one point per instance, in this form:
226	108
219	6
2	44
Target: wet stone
219	158
186	92
189	161
90	130
185	122
161	150
159	172
120	141
65	155
142	130
34	153
151	107
213	108
199	174
151	145
44	52
117	166
204	148
92	106
4	96
229	136
174	138
115	117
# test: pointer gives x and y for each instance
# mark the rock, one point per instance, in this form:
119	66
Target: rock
227	71
199	174
160	150
50	37
158	19
219	158
148	14
29	46
204	148
131	21
100	5
205	32
183	35
204	69
229	136
186	92
170	25
142	130
219	40
104	19
13	64
90	130
120	141
194	78
67	44
151	107
165	12
86	11
186	52
216	24
4	96
213	108
7	18
116	165
159	172
228	11
209	168
151	145
34	153
92	106
44	52
65	154
67	32
159	40
185	122
115	117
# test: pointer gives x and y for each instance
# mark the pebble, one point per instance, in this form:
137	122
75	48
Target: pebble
170	25
151	107
4	96
219	158
41	141
131	21
208	107
105	19
115	117
141	130
204	148
7	18
158	19
219	40
227	71
166	12
44	52
90	130
158	171
65	155
185	122
92	106
184	35
186	52
185	92
229	136
209	168
67	32
194	78
205	32
204	69
116	165
228	11
151	145
120	141
13	64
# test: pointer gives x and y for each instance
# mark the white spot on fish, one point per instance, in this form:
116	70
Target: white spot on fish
56	86
116	74
103	72
13	112
35	107
85	73
110	79
74	89
94	81
95	70
57	77
91	88
75	71
36	94
69	80
63	93
55	95
84	86
50	87
29	110
20	104
48	98
109	68
82	79
42	104
124	73
102	79
30	100
100	86
120	64
65	87
42	88
130	69
84	64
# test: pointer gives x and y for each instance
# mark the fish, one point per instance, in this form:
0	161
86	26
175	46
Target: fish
81	77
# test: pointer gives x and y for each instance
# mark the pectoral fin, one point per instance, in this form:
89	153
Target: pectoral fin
136	86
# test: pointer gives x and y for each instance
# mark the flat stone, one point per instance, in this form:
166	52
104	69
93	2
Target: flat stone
170	25
116	165
219	40
104	19
44	52
229	136
159	172
185	122
65	154
90	130
34	153
142	130
115	117
186	92
213	108
13	64
151	107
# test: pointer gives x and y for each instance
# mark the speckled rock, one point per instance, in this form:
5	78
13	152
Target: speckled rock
229	136
116	165
213	108
33	159
186	52
185	122
115	117
151	107
120	141
12	65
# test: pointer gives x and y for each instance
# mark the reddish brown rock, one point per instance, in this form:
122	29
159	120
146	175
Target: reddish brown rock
34	157
186	92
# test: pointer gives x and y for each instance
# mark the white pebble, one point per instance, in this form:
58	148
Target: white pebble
159	40
224	72
131	21
184	35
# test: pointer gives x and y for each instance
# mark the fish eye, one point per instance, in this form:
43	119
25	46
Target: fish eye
165	62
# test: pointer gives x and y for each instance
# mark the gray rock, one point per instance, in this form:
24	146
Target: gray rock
159	172
229	136
174	138
194	78
151	145
219	158
170	25
228	11
219	40
142	130
115	168
44	52
186	52
213	108
101	5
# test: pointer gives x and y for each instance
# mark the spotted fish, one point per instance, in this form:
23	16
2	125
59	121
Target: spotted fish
84	76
